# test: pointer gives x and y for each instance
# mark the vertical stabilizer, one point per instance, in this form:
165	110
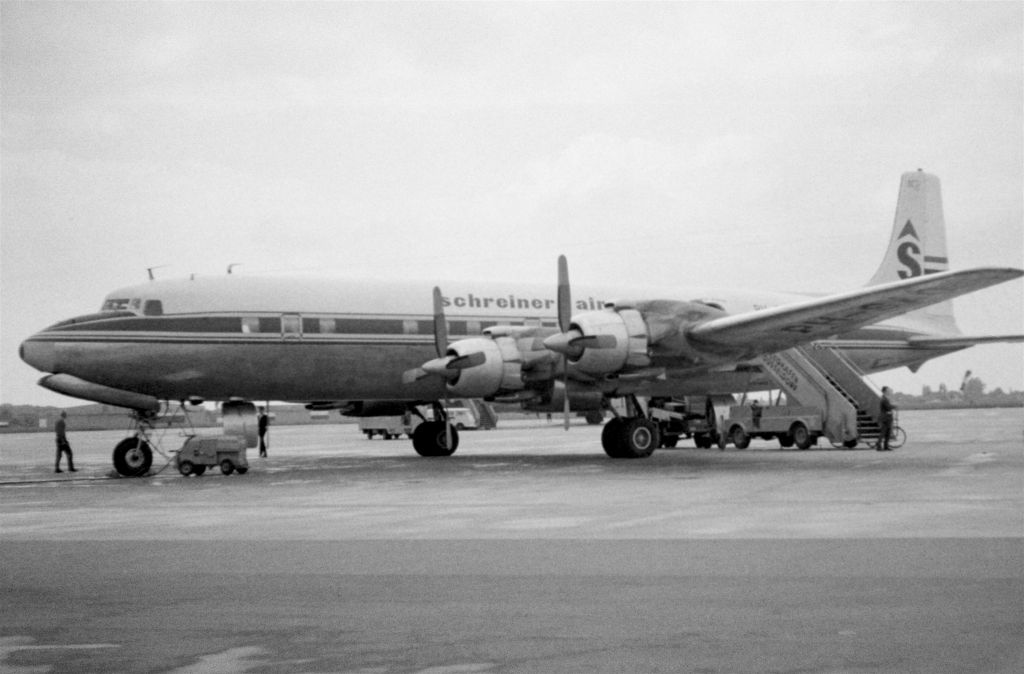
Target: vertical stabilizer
918	243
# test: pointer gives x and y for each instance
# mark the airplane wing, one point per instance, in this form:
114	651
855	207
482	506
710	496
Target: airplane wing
782	327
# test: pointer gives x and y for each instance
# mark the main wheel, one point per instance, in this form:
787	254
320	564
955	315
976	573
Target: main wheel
801	436
612	437
430	439
133	457
641	437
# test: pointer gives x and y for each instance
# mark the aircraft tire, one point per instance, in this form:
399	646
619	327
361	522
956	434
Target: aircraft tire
429	439
133	457
640	438
612	438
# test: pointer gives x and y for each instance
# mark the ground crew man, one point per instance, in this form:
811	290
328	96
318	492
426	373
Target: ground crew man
63	446
886	412
263	420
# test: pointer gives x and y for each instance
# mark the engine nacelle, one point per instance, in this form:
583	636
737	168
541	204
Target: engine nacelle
499	374
618	341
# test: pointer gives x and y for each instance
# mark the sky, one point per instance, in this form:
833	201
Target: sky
667	144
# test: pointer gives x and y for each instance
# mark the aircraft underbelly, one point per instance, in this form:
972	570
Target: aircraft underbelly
275	371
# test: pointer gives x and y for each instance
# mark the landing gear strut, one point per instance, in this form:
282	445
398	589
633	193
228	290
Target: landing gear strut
630	437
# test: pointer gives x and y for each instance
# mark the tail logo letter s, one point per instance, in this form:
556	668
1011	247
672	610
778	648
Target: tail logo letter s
909	253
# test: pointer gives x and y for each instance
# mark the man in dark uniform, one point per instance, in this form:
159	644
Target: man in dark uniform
262	422
885	418
63	446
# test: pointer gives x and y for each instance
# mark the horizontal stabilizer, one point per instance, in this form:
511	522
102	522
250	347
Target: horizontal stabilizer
961	341
790	325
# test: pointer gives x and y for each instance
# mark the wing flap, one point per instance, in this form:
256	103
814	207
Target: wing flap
793	324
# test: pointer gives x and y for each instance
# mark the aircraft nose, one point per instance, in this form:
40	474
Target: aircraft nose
38	354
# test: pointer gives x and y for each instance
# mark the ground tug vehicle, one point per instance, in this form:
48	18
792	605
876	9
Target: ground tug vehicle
227	450
200	452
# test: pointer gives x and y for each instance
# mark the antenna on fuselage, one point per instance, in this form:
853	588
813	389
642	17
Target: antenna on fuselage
149	270
233	265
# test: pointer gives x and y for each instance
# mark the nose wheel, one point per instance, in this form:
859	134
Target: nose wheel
133	457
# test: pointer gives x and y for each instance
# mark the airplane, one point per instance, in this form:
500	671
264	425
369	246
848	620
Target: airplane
376	347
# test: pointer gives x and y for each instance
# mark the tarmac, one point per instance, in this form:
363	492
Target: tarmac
527	551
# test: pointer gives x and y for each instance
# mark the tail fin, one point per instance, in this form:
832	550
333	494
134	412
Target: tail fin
918	244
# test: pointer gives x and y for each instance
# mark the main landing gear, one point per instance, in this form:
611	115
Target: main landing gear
630	437
435	438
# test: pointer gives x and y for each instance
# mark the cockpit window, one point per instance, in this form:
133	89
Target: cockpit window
153	308
711	303
116	304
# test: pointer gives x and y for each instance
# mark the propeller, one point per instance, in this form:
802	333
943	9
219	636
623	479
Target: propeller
445	365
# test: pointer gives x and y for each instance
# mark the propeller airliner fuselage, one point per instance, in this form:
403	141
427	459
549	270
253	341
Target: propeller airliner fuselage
370	345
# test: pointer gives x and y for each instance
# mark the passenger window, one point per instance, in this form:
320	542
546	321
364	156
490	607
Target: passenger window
410	327
328	326
250	324
153	308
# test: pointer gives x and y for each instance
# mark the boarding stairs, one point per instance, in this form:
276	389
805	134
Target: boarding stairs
820	376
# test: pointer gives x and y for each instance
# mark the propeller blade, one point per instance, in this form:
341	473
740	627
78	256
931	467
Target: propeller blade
447	425
440	324
594	342
449	366
565	397
438	366
559	343
414	375
469	360
564	322
564	295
